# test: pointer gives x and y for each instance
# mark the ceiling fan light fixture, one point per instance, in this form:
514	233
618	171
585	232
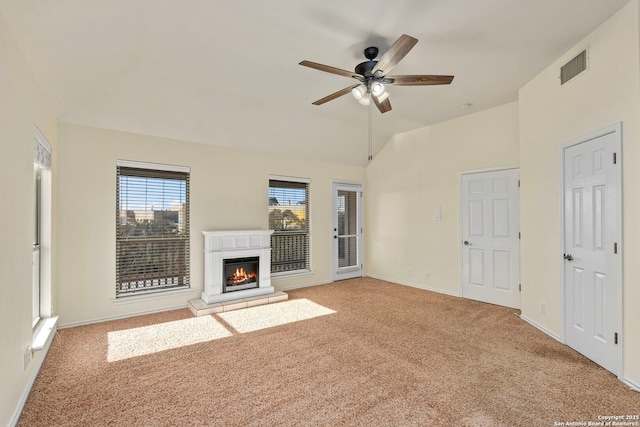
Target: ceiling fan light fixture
358	92
377	88
365	99
382	97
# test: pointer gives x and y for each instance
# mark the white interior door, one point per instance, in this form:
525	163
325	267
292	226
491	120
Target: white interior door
592	263
348	261
490	218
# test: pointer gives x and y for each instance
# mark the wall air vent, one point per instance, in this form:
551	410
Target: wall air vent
574	67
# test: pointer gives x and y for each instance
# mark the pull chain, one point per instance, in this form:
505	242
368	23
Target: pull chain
370	157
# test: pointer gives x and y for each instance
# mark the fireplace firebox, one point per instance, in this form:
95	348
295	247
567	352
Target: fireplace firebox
240	273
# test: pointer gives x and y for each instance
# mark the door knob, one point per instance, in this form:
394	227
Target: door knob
568	257
466	243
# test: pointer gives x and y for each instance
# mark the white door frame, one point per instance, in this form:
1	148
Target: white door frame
461	225
617	274
355	186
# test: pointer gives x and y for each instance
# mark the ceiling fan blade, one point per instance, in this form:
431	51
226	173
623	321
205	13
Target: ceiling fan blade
383	106
334	95
394	54
329	69
419	80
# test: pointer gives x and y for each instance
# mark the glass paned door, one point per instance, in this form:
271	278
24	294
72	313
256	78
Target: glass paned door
347	231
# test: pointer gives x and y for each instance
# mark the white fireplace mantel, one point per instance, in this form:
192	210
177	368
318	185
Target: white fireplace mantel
221	245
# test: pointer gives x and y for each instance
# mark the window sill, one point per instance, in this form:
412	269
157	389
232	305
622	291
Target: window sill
42	332
151	296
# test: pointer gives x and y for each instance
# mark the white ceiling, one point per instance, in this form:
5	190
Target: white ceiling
226	72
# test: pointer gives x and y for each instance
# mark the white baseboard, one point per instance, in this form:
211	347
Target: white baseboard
32	378
633	386
124	316
542	328
413	285
306	285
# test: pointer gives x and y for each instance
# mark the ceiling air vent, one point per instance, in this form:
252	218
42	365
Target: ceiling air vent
574	67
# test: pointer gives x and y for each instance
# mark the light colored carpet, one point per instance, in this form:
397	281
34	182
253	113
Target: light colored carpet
387	355
268	316
143	340
133	342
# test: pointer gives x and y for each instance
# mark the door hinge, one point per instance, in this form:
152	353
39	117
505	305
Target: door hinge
615	338
615	158
615	248
519	235
518	183
520	287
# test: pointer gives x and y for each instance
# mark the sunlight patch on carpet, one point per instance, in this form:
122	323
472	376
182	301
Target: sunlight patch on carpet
267	316
164	336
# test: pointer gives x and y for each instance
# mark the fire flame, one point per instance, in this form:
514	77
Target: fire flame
241	276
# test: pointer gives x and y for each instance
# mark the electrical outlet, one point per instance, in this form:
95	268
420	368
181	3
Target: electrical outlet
27	356
543	309
409	272
427	275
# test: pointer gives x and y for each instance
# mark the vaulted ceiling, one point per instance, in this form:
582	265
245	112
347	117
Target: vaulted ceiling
226	72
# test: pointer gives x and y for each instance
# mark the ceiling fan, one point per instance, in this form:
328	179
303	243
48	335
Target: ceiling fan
373	75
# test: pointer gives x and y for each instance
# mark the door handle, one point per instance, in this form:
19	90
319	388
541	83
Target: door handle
568	257
466	243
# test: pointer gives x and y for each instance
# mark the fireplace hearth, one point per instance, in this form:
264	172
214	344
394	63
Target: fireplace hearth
237	264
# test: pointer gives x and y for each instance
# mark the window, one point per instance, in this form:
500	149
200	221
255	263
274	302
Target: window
152	228
41	241
289	218
37	250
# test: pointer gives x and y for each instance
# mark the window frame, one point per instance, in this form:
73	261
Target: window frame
148	170
43	322
37	261
295	181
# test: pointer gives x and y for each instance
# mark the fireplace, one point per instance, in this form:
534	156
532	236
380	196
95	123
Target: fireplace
240	273
237	264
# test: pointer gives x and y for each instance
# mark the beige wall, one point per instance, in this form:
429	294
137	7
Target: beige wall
229	190
418	171
21	109
552	115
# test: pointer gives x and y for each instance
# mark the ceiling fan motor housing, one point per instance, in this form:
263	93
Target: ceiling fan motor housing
364	68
